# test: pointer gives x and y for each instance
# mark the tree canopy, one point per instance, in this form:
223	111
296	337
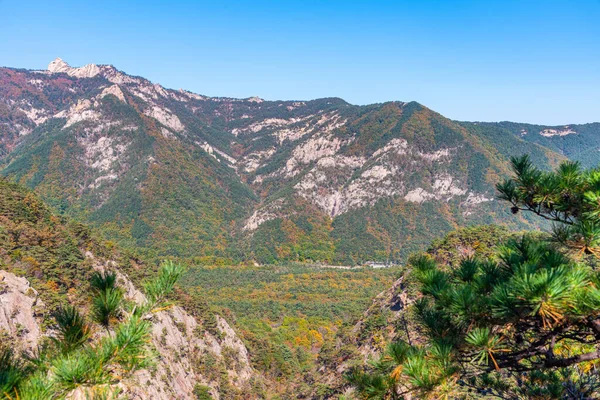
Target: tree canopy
524	322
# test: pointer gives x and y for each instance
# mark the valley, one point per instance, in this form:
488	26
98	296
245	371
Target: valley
297	222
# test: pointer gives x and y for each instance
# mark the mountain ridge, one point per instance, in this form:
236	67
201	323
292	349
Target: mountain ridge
183	174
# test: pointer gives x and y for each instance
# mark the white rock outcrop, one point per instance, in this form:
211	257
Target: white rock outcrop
165	117
115	90
60	66
557	132
18	301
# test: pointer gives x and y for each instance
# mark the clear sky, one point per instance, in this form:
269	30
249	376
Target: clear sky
487	60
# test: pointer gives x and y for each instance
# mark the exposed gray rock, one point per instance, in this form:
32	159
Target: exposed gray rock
180	342
18	304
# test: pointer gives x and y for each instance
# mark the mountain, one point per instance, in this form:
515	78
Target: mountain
175	173
576	142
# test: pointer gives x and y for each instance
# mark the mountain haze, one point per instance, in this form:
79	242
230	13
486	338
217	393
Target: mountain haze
178	173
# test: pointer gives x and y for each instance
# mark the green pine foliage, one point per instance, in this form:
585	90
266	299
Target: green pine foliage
75	361
72	329
530	308
569	197
107	297
13	370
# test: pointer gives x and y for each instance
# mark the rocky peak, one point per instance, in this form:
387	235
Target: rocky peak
60	66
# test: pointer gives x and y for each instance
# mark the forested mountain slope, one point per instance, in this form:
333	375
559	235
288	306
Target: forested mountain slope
46	262
577	142
177	173
441	323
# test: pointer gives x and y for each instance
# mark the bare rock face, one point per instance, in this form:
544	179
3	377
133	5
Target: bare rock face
182	346
60	66
18	305
392	305
116	91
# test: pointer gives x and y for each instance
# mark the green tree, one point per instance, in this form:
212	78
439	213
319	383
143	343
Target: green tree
523	323
569	197
75	361
71	329
107	299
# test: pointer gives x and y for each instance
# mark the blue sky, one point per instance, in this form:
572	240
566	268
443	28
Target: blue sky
529	61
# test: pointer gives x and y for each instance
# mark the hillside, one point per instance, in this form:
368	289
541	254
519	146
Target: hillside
576	142
46	261
241	332
176	173
484	274
391	315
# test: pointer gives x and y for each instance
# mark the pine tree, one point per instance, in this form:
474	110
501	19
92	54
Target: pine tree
523	323
77	364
